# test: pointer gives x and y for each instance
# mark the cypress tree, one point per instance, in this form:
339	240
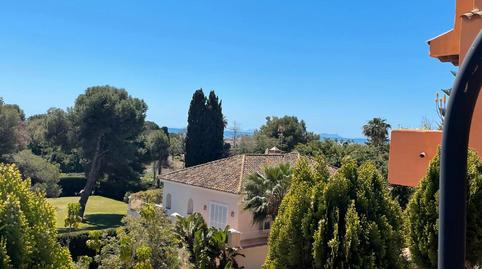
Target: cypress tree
214	131
346	221
205	129
195	127
422	213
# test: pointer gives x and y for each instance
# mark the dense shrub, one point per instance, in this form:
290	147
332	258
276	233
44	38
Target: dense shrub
149	196
27	226
422	212
44	175
76	242
71	184
147	241
347	220
117	189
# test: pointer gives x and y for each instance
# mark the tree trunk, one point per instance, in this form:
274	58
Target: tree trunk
91	178
158	170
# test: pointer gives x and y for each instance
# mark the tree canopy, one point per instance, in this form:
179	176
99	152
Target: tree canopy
11	118
205	129
44	175
108	122
285	133
376	130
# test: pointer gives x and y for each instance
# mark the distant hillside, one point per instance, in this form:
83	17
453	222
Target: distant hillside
323	136
227	133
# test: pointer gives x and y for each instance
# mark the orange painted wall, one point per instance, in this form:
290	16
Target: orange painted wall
410	154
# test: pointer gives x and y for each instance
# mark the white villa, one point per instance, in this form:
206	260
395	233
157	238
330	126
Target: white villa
215	190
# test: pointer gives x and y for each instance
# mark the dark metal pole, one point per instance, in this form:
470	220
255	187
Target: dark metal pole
453	163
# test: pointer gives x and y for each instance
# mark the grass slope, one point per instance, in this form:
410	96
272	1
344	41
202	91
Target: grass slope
101	213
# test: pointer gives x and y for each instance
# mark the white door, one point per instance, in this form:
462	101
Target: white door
218	215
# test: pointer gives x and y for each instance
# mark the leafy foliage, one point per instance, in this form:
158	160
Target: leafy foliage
377	131
11	118
422	214
27	233
346	220
335	151
207	247
157	144
265	191
73	216
205	129
52	136
147	241
43	174
284	133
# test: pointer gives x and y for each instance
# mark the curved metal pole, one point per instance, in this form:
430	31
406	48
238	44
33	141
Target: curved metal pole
453	162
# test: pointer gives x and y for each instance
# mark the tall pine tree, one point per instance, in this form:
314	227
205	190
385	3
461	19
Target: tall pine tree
205	129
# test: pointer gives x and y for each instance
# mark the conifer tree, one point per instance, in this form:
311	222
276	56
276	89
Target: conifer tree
348	220
214	131
195	125
205	129
422	212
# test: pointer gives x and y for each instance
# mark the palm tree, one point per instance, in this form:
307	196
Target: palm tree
208	248
377	131
265	191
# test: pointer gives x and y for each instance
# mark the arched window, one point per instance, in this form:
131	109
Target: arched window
189	207
168	201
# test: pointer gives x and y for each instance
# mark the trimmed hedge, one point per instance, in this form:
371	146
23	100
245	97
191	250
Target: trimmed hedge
71	184
77	245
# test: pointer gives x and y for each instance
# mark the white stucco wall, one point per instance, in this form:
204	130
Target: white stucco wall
181	193
201	197
254	257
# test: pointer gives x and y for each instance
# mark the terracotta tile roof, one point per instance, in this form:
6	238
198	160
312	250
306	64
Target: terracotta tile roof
227	174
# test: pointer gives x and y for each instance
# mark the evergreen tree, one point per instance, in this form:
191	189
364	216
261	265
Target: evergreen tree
194	137
108	124
205	129
10	119
214	130
348	220
422	212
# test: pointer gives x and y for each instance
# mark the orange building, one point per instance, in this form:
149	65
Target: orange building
412	150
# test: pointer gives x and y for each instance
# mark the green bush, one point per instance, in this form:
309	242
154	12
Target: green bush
348	220
27	226
44	175
77	242
71	184
117	189
422	213
149	196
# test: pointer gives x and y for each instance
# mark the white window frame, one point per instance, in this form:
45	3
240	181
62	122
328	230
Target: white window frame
217	222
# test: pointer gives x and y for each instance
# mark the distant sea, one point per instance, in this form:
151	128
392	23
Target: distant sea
323	136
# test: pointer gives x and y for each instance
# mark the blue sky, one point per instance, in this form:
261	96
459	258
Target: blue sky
335	64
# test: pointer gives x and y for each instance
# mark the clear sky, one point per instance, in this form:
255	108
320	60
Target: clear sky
335	64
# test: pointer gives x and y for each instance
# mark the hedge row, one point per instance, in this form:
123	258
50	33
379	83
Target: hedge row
76	242
72	184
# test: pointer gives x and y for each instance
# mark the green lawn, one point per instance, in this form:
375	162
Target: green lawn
101	213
